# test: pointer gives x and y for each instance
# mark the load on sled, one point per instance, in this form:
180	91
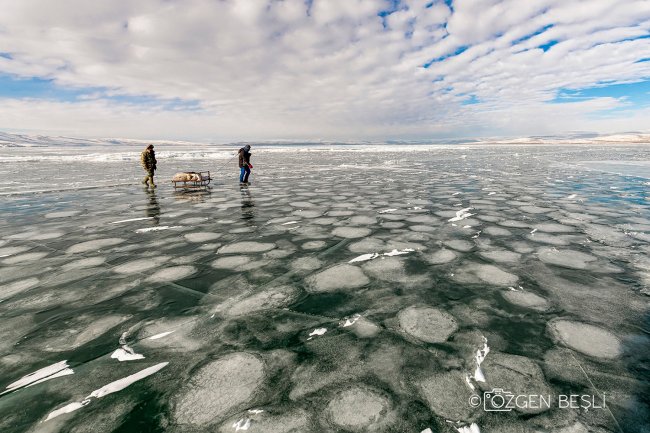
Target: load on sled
191	179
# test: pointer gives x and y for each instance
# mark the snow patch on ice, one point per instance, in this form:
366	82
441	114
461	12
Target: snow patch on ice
105	390
132	219
242	424
125	353
156	229
46	373
67	409
317	331
159	336
349	321
473	428
461	215
372	256
364	257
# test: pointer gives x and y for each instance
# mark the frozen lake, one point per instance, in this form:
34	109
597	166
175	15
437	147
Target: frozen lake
346	289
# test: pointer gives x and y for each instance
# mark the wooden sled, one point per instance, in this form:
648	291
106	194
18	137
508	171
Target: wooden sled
202	182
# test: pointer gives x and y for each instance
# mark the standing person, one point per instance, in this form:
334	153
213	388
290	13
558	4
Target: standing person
244	164
148	161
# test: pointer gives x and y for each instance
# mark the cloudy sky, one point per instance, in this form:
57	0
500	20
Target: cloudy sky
220	70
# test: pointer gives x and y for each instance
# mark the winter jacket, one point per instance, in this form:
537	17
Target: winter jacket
148	160
244	157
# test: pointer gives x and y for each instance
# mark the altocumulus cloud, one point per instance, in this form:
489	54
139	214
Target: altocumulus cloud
331	69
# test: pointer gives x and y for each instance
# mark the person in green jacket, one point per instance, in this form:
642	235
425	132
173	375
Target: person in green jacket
148	161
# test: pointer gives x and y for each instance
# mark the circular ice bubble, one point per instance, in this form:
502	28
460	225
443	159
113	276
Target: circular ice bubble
140	265
565	258
306	264
86	329
367	245
24	258
447	395
339	277
427	324
501	256
340	213
493	275
363	220
518	375
173	273
351	232
388	269
94	245
219	388
194	220
440	257
460	245
246	247
11	251
90	262
422	228
358	409
62	214
301	204
585	338
15	287
496	231
535	209
276	297
514	224
307	213
200	237
554	228
526	300
230	262
314	245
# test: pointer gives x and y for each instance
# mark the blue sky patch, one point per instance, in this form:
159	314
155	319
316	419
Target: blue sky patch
39	88
634	95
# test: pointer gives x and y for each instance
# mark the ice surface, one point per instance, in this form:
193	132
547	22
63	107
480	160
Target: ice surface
141	265
441	256
173	273
236	376
518	375
351	232
427	324
475	273
358	409
227	285
246	247
527	300
202	237
94	245
340	277
565	258
231	262
501	256
447	395
10	289
585	338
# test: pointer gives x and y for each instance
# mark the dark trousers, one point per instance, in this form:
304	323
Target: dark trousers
245	172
